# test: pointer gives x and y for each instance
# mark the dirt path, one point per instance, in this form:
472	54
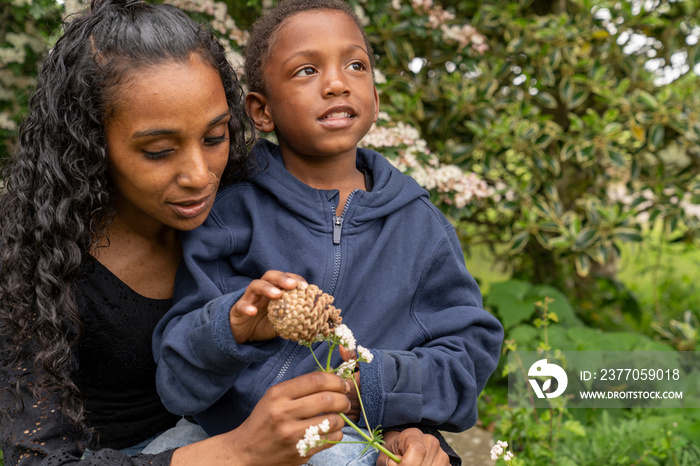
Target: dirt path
473	445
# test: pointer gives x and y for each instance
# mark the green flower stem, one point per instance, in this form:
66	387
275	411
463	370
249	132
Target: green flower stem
330	353
315	358
362	405
373	442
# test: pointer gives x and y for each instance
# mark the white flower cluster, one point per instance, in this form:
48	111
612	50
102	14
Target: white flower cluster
6	122
347	369
453	186
642	201
438	18
312	437
397	135
690	209
347	339
221	23
365	354
465	35
499	449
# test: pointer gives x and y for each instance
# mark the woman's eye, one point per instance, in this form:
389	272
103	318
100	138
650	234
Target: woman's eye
157	155
215	140
308	71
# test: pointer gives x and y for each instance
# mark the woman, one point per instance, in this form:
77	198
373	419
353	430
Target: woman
136	119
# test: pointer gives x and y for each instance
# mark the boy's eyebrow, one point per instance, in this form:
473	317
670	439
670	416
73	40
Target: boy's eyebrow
159	132
314	52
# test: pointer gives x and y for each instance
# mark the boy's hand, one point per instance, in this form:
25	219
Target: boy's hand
414	448
248	317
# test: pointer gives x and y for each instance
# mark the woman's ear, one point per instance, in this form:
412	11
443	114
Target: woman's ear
256	105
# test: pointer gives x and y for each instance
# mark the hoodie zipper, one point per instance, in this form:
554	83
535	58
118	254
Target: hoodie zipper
337	233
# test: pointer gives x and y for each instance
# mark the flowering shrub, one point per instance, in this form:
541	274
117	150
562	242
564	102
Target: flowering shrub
552	132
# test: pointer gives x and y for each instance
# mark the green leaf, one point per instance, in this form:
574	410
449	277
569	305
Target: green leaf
546	100
648	100
656	136
560	306
575	427
585	238
508	301
578	99
616	157
583	265
518	242
628	235
567	151
566	91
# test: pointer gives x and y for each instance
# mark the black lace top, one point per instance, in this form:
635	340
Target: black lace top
116	376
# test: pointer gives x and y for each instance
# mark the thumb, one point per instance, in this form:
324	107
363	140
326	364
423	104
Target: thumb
347	354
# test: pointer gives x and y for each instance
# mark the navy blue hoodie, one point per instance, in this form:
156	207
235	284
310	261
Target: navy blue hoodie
395	267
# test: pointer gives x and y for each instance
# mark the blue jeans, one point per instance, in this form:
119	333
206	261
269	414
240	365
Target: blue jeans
184	433
346	454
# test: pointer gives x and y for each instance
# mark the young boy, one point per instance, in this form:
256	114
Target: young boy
340	217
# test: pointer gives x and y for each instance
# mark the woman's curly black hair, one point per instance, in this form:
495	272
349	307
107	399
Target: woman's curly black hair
58	196
262	35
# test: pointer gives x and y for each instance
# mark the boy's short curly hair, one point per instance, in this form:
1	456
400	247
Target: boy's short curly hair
263	30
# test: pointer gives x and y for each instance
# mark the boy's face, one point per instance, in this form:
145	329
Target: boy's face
320	96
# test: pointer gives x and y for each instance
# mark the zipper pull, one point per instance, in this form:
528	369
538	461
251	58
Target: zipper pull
337	229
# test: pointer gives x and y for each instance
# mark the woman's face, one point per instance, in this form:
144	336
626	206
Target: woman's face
168	144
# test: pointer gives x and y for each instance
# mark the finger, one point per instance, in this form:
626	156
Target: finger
256	296
347	354
312	383
284	280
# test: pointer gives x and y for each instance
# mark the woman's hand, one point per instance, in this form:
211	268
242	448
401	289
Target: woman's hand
282	416
270	434
414	448
248	317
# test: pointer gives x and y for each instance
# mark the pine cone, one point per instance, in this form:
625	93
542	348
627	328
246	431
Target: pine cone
302	314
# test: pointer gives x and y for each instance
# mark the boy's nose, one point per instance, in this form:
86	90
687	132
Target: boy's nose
336	85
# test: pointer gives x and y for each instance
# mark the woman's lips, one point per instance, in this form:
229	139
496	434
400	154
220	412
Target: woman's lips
191	209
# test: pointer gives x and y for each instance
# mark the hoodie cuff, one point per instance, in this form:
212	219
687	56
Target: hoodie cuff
392	380
223	338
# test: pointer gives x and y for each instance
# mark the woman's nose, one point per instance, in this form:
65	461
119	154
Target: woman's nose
195	172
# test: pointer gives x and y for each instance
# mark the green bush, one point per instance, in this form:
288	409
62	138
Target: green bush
539	127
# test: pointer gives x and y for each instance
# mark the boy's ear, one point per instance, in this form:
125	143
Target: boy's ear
256	105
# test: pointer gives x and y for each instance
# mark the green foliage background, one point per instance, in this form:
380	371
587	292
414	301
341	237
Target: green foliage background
588	156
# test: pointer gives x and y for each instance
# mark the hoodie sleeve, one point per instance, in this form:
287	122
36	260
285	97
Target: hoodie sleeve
198	358
437	383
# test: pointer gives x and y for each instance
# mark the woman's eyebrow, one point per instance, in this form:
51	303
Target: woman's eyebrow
161	131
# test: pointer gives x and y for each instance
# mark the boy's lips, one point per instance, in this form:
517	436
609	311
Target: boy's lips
338	117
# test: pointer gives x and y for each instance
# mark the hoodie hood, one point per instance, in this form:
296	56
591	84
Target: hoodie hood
391	189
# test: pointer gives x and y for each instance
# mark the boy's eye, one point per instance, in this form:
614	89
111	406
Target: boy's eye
357	66
308	71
